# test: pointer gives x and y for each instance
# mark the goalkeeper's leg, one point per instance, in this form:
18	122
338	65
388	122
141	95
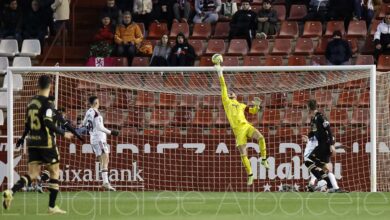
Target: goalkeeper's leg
263	150
246	163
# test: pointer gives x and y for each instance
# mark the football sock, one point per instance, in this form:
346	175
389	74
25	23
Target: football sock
105	176
332	179
53	188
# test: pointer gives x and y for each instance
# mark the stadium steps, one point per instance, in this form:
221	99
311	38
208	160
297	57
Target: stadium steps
75	56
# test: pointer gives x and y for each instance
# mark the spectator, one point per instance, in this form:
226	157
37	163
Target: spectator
125	5
45	6
338	51
103	39
161	52
341	10
207	11
267	19
382	37
128	36
12	22
228	9
162	10
142	11
243	23
34	23
112	11
61	13
364	10
317	10
181	10
182	54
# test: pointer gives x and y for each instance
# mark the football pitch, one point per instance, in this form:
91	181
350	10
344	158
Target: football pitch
202	205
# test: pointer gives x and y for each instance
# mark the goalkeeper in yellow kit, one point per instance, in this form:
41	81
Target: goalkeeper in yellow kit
242	129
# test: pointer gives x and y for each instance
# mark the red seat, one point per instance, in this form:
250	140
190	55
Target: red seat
288	80
174	81
135	117
339	117
222	120
321	46
364	60
252	61
360	116
145	99
385	9
189	101
274	61
332	26
216	46
142	27
123	100
285	133
289	29
114	118
383	63
179	28
238	47
218	131
201	31
259	47
203	117
132	79
152	132
198	46
347	98
206	61
374	26
364	99
231	61
304	46
280	11
154	81
312	29
167	100
171	132
271	117
198	81
86	85
255	8
159	117
369	46
211	101
357	29
182	117
353	43
318	60
281	47
125	132
140	61
293	117
277	100
323	98
157	30
297	12
296	60
243	80
222	30
300	98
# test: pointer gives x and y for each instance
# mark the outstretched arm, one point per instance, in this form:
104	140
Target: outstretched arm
224	93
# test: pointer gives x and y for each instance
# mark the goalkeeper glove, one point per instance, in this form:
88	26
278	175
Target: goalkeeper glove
264	162
115	132
256	101
219	70
20	143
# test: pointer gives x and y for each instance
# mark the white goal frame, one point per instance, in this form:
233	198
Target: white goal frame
21	70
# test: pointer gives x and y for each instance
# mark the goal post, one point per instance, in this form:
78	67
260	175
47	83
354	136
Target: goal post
161	152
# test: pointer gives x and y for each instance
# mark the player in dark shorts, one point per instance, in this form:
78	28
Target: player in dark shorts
42	149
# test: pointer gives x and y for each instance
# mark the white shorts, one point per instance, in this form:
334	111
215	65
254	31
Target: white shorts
100	147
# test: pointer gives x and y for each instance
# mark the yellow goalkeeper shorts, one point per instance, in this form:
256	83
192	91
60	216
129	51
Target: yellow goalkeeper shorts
243	132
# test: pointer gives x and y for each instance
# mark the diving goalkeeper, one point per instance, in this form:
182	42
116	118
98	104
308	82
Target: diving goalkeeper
242	129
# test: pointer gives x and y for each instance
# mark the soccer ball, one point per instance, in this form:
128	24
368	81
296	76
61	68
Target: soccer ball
217	59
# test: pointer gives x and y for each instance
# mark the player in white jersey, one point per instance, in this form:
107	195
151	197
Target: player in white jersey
93	120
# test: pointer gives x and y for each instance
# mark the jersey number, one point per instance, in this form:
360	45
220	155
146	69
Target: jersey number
35	124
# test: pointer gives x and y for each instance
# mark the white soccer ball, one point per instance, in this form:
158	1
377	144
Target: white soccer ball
321	186
217	59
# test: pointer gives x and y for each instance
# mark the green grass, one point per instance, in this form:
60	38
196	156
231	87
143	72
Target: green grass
203	205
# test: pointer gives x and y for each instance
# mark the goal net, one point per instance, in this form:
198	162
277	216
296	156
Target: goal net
174	134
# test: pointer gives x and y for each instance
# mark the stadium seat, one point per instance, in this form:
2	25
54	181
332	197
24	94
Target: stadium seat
285	133
243	80
211	101
238	47
231	61
3	100
132	79
9	47
255	8
159	117
332	26
347	98
157	30
339	117
300	98
114	118
296	60
252	61
167	100
304	46
385	8
142	27
357	84
21	62
171	132
357	29
318	60
374	26
31	48
289	29
1	118
140	61
121	61
203	117
218	131
364	60
174	81
364	99
273	61
383	63
206	61
277	100
198	46
353	43
86	85
259	47
222	30
216	46
123	100
297	12
312	29
189	101
179	27
369	47
105	99
182	117
292	117
201	31
135	117
323	98
281	47
128	131
152	132
4	64
221	120
360	116
144	99
198	81
271	117
17	82
154	81
280	11
304	130
321	46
